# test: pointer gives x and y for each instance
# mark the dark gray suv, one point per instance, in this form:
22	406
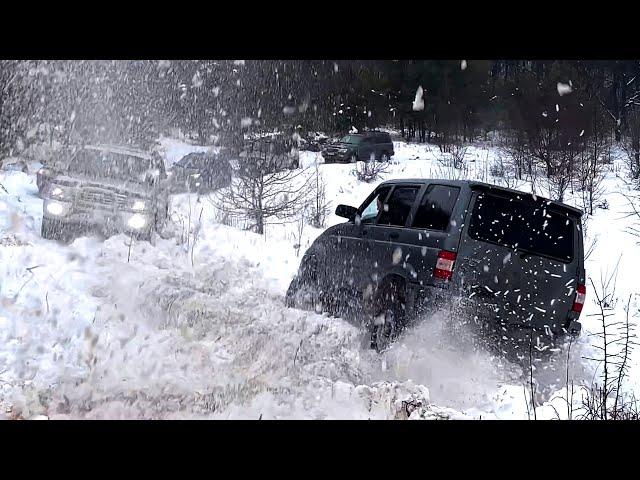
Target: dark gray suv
511	259
360	147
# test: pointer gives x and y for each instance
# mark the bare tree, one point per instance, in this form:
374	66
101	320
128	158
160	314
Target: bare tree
634	212
263	190
320	206
591	173
605	398
458	154
300	224
631	145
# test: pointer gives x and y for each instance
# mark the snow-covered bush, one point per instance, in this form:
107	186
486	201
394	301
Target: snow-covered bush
369	171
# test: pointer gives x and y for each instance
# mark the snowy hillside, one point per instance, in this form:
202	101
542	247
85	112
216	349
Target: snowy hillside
195	326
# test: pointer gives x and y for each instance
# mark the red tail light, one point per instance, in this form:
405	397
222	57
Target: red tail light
578	303
444	265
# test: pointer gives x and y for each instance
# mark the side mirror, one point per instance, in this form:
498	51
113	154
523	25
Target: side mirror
346	211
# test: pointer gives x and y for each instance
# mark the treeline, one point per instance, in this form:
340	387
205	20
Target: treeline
551	109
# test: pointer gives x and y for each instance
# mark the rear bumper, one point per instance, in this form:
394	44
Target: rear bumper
446	297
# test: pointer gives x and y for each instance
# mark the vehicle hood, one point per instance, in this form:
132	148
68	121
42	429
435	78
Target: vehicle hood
124	188
339	145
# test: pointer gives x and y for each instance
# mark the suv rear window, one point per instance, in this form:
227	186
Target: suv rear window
523	225
396	210
435	208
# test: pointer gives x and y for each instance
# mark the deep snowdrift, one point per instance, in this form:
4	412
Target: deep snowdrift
97	329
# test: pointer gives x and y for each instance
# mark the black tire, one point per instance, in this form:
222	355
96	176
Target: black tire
384	157
387	314
52	229
303	295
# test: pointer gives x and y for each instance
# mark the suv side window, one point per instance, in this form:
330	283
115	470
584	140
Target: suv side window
396	210
435	208
371	211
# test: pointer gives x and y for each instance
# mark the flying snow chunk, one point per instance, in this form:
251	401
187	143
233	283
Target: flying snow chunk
418	103
353	130
238	62
288	110
582	133
335	67
245	122
557	108
563	88
197	80
397	256
463	65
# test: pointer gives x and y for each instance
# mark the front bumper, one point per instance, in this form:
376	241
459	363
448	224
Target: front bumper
105	221
330	157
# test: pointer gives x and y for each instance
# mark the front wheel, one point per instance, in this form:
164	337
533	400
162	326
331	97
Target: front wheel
302	295
53	230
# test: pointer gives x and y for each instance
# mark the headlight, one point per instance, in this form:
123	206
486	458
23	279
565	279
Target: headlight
138	205
137	221
57	192
55	208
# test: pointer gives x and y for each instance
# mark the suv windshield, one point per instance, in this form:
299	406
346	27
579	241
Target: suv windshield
117	166
351	139
523	225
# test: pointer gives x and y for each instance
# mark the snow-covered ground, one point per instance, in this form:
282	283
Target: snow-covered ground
184	329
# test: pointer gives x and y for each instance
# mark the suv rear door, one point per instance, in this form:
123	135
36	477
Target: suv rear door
384	144
367	148
431	229
523	256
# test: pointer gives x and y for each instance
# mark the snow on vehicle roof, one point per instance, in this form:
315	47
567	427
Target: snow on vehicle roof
121	150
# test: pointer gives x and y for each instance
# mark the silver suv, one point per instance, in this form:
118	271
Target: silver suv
106	189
